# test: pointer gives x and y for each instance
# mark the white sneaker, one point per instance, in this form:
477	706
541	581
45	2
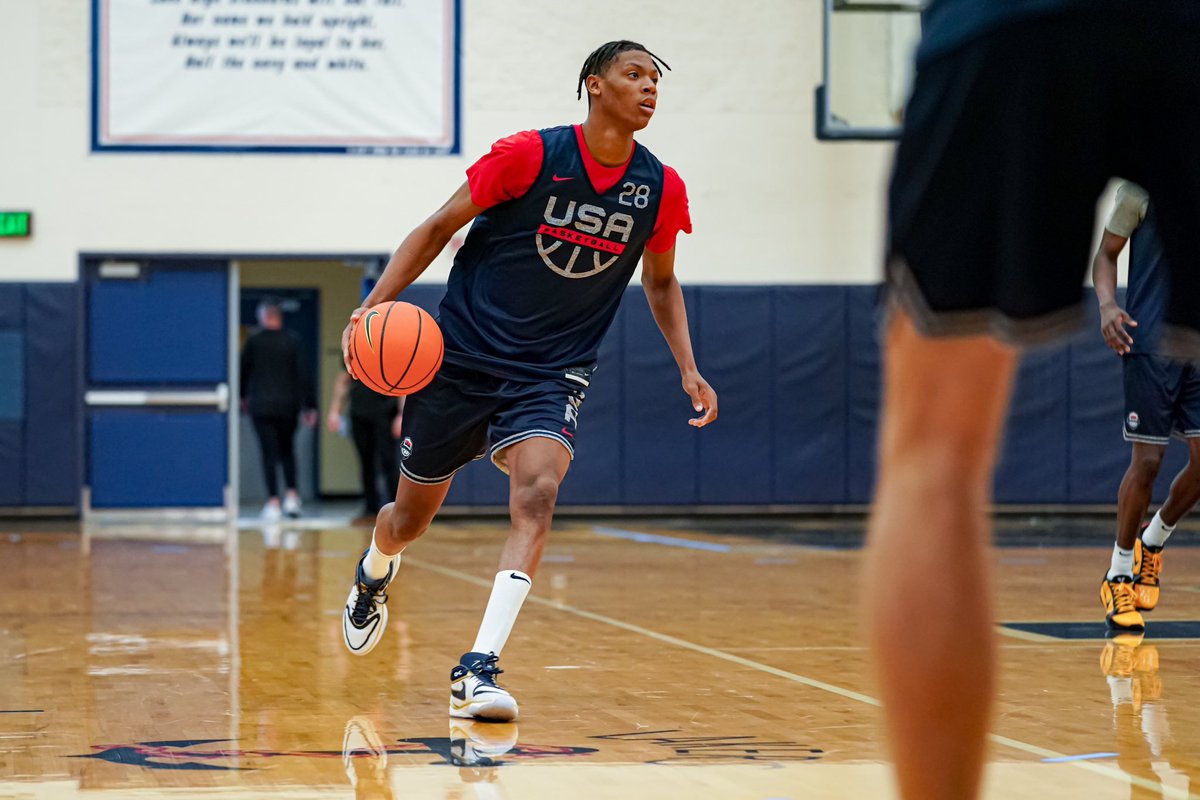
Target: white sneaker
474	693
364	756
291	506
480	744
366	611
271	511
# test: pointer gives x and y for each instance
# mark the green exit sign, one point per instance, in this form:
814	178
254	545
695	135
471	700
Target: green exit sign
16	224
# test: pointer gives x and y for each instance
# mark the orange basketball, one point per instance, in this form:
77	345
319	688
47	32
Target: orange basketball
396	348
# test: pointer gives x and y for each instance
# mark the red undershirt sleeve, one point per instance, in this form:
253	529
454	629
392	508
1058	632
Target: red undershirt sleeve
673	215
507	171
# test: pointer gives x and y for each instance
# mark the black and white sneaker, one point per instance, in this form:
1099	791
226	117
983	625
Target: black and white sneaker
365	758
474	693
480	744
366	611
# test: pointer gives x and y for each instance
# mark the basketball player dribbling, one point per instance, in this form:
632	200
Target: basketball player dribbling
1020	114
561	218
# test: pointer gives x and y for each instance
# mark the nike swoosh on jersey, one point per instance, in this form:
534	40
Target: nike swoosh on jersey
568	178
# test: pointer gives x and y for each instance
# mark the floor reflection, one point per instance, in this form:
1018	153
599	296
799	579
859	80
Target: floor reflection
1144	742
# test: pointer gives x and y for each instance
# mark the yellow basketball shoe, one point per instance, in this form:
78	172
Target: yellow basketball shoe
1120	604
1119	657
1145	670
1147	566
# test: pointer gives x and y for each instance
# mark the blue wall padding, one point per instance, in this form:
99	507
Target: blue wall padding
860	346
1096	453
12	375
806	386
140	458
798	372
797	369
1030	468
659	448
12	303
735	455
53	430
173	345
12	464
40	435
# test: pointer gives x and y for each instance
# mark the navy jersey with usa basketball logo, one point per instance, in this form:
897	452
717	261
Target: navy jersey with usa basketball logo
538	281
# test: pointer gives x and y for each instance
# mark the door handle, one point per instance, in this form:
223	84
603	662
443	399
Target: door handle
217	396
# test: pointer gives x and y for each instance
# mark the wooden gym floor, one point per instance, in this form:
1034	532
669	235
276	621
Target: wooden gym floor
653	660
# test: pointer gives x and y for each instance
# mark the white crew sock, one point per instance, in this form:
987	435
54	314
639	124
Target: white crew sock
1156	535
508	593
376	562
1121	690
1155	727
1122	563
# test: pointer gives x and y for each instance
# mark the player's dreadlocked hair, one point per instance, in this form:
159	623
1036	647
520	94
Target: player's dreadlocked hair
605	54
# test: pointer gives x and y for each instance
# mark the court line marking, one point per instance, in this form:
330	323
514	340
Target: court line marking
1015	744
654	538
1026	635
1083	757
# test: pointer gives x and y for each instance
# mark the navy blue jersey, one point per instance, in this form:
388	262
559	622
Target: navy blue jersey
1146	297
538	281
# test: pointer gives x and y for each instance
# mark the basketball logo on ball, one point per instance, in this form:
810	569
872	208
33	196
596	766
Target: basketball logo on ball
396	348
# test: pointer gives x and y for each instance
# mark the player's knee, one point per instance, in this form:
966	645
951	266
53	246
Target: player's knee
947	464
400	525
537	496
1144	466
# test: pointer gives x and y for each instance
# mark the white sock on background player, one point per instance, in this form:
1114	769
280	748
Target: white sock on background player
376	562
508	594
1158	531
1122	563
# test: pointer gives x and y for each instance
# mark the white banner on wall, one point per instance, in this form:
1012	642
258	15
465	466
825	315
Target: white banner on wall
357	76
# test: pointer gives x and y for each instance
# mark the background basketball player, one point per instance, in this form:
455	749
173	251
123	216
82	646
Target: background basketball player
1020	114
1162	398
561	218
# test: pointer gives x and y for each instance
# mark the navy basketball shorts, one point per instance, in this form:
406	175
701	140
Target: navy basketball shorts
464	415
1162	399
1010	139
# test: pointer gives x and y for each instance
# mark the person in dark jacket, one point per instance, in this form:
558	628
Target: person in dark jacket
274	390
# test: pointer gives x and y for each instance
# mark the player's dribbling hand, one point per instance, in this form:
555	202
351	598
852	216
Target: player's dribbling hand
704	399
346	334
1113	320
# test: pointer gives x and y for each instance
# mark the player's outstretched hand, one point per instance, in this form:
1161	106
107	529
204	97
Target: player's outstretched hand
346	334
704	399
1113	320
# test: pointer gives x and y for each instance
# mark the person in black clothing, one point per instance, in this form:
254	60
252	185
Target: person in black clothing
1020	114
375	427
274	389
